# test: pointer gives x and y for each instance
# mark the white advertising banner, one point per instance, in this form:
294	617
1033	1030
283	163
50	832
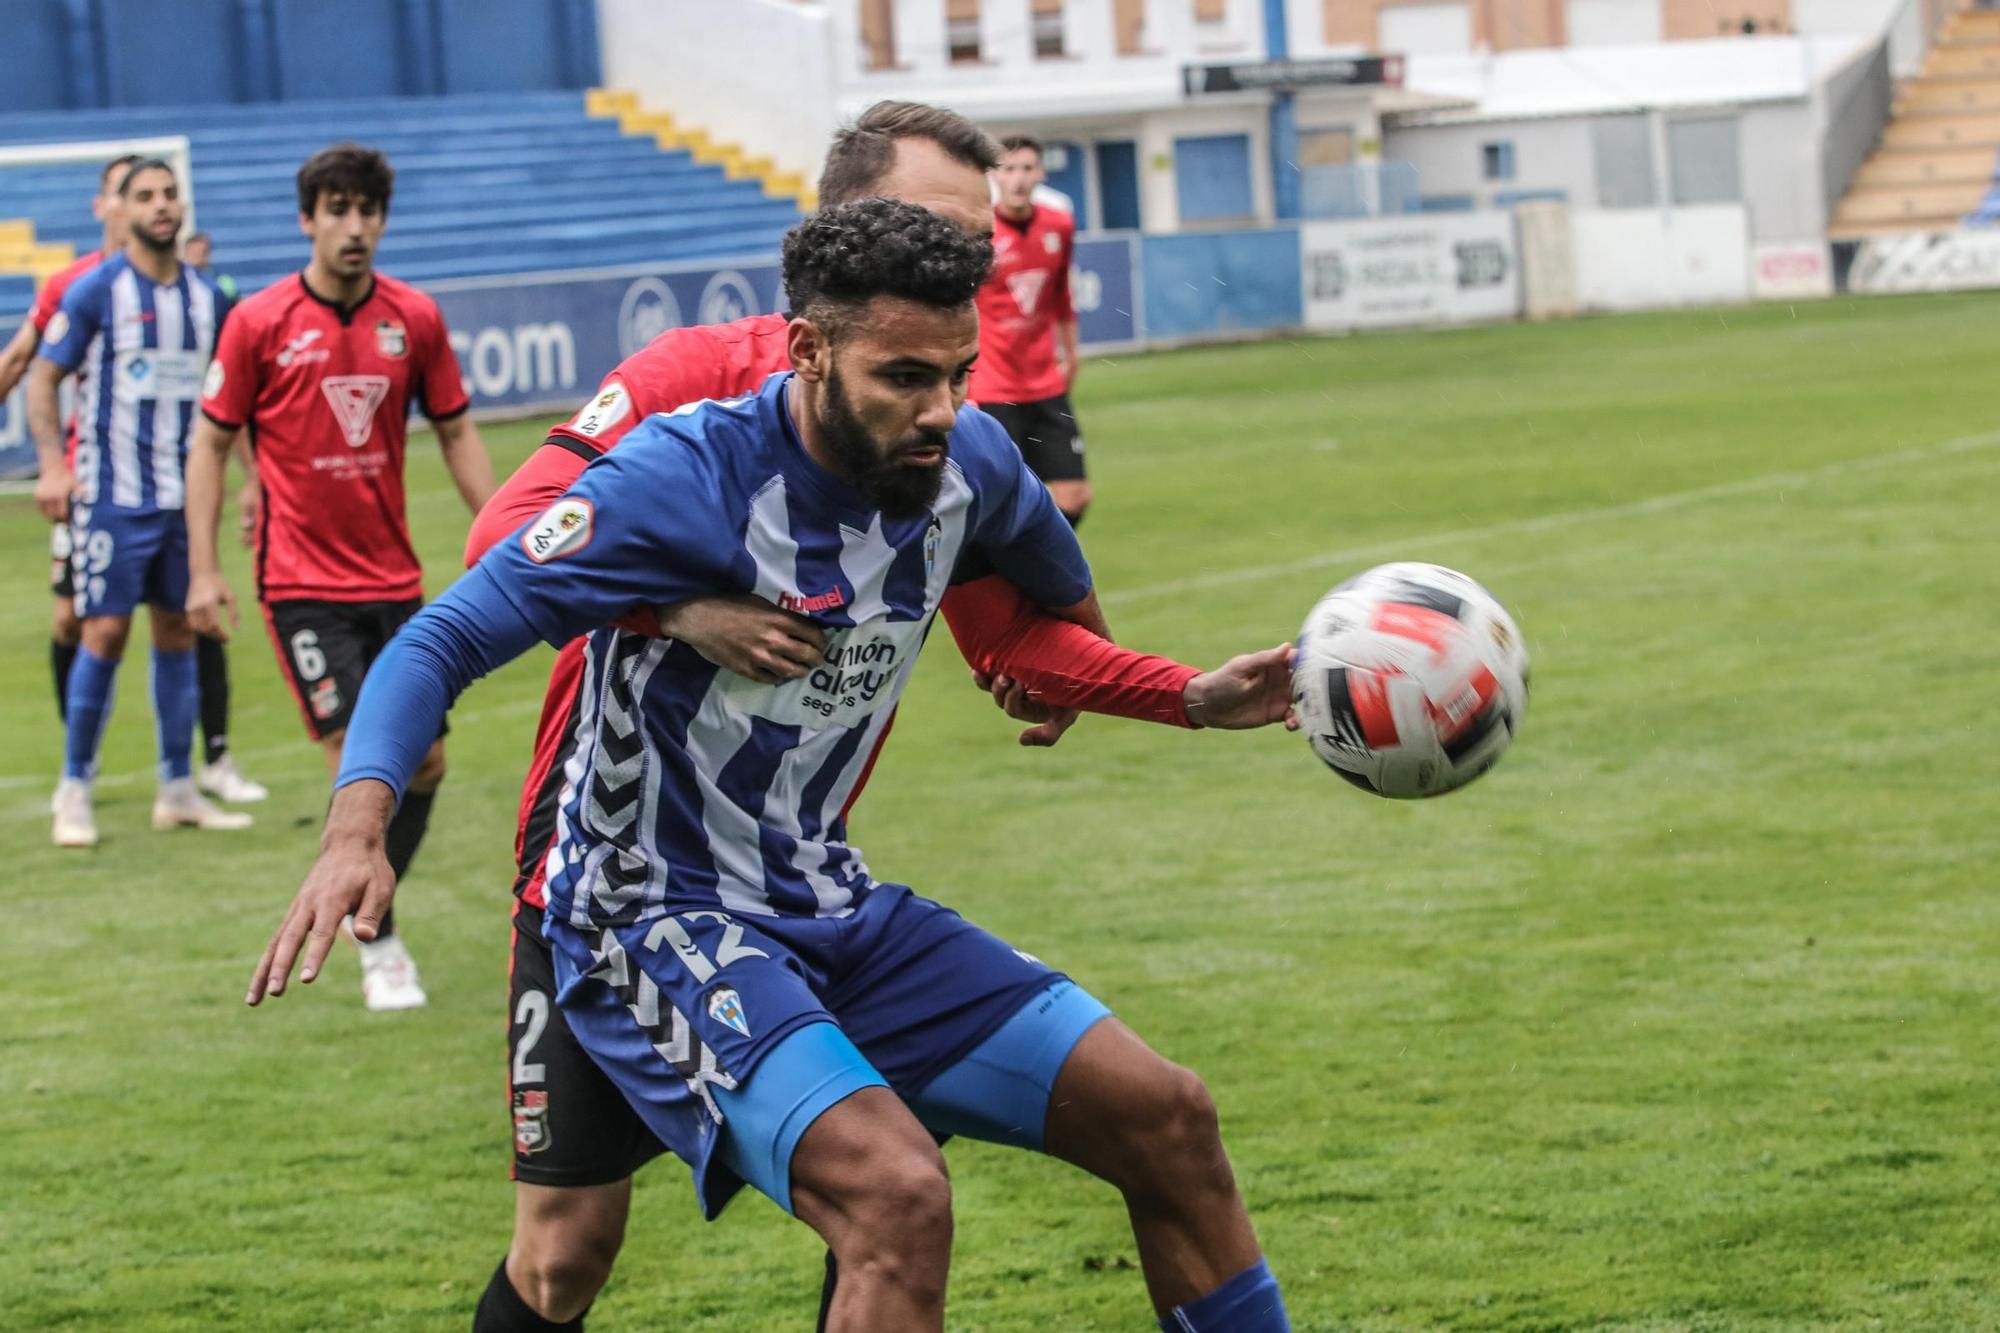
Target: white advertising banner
1798	271
1425	268
1952	261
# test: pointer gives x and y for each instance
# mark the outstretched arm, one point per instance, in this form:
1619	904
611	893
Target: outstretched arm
463	635
14	358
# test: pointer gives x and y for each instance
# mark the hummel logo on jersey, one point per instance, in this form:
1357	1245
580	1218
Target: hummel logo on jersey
298	345
1027	288
825	601
563	529
725	1006
354	399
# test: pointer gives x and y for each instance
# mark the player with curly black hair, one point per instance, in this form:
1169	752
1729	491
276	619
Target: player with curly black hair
777	1015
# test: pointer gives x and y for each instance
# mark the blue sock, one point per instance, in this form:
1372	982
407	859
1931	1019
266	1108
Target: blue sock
176	698
90	680
1247	1303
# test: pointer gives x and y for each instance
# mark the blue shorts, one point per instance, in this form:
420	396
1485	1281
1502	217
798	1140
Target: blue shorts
120	558
682	1011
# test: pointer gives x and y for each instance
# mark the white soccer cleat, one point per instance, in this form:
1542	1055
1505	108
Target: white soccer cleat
225	782
389	975
179	805
75	819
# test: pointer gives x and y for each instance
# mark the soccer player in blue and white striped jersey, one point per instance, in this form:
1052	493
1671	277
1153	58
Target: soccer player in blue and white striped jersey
143	326
777	1014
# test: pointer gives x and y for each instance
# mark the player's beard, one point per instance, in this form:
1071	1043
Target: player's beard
898	489
158	245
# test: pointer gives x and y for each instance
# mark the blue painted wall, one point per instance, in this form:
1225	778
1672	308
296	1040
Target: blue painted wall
1221	282
73	54
1212	178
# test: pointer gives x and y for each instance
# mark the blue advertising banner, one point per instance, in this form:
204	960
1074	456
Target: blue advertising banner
545	340
1223	282
1103	287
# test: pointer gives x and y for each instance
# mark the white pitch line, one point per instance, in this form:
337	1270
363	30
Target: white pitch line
1404	546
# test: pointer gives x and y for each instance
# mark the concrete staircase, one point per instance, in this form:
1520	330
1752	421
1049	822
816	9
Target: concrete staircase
1940	150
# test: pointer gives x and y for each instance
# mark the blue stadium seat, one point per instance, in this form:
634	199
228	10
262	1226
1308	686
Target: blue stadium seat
485	184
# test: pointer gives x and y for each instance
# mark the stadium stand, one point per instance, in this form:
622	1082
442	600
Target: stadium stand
486	184
1938	164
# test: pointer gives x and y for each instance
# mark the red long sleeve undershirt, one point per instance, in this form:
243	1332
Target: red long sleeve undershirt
999	631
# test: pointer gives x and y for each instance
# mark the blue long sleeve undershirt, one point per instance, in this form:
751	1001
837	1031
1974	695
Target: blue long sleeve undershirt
472	629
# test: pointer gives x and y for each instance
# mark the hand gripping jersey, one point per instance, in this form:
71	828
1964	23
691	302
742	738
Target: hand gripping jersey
998	630
327	391
690	786
1024	298
142	348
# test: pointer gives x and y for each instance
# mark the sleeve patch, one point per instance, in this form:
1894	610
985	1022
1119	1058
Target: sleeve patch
212	385
563	529
58	327
604	411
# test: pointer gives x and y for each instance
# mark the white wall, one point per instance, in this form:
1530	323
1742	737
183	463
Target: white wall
1422	30
1613	22
757	73
1552	154
1638	258
1779	145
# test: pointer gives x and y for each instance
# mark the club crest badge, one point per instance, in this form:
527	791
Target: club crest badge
390	339
531	1121
725	1006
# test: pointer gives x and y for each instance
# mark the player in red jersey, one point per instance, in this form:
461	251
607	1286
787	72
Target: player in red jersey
323	368
1027	329
217	775
576	1141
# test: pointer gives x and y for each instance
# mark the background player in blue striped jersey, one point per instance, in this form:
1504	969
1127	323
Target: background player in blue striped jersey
776	1013
145	325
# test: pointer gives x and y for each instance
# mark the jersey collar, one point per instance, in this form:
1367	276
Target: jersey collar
345	313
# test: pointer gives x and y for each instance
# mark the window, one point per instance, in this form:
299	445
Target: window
1212	178
1703	154
961	40
961	30
1621	147
1048	29
1496	160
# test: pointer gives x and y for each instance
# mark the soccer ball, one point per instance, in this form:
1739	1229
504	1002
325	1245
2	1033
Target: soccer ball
1410	680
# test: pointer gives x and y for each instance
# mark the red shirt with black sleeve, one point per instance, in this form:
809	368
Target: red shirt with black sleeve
997	628
1024	298
49	300
326	391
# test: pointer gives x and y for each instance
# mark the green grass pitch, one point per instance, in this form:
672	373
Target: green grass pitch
1684	1018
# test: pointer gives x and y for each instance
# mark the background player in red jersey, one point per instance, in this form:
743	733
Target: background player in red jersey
324	368
217	775
1027	329
576	1140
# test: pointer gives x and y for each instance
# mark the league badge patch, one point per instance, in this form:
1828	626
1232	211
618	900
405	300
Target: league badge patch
725	1006
531	1121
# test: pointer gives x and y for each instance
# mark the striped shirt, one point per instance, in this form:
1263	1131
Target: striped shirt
143	348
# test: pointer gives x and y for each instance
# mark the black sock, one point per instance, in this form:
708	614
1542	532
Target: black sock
826	1293
406	832
212	670
501	1310
62	656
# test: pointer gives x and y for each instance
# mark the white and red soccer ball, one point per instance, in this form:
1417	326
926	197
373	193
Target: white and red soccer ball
1410	680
